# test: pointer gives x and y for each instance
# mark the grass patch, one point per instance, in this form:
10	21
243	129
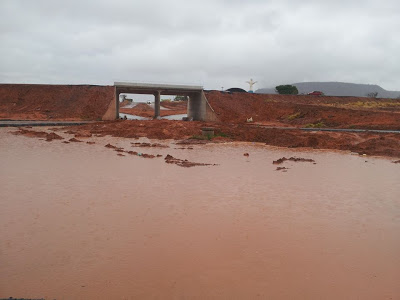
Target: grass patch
368	104
221	134
209	137
374	104
294	116
315	125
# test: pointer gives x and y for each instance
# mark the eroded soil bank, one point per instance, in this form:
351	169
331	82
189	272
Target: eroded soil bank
363	143
79	221
54	102
300	111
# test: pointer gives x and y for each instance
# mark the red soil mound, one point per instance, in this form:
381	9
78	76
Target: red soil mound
295	159
125	103
62	102
158	129
299	111
387	146
39	134
169	159
175	105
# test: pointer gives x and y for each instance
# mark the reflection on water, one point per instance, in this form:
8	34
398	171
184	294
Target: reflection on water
135	117
79	222
132	117
175	117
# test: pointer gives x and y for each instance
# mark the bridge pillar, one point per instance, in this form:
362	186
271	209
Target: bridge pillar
199	109
196	107
116	105
157	100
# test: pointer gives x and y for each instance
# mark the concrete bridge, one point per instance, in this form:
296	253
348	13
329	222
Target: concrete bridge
198	107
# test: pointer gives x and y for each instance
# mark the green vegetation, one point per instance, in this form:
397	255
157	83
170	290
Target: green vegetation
221	134
209	137
294	116
268	100
287	89
373	104
315	125
180	98
368	104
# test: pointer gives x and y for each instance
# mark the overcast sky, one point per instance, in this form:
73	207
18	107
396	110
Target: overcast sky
214	43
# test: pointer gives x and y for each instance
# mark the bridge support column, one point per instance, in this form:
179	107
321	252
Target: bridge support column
116	105
157	100
196	107
199	109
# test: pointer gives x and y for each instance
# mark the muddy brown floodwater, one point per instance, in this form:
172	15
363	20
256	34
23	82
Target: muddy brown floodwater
80	222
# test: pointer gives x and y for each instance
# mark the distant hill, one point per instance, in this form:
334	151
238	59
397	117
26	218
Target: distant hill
338	89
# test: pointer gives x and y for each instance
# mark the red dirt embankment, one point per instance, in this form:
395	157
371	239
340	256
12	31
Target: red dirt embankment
371	144
299	111
153	129
56	102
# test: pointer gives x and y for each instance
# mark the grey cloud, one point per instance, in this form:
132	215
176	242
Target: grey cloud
215	43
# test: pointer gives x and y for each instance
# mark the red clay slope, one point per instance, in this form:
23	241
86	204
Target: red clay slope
55	102
291	110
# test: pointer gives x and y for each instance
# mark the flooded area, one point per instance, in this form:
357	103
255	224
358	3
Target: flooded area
175	117
135	117
83	221
132	117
